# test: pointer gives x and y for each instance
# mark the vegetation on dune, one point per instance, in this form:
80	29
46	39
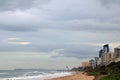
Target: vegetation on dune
112	71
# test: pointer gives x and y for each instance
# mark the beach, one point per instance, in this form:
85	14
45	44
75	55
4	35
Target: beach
76	76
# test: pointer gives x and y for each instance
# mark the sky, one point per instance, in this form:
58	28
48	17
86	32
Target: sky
53	34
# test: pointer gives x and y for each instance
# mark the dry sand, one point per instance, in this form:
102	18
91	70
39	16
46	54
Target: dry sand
76	76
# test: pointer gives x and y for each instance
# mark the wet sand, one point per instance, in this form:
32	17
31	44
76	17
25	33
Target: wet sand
76	76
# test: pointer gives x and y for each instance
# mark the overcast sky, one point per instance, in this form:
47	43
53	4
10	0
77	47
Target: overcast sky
56	33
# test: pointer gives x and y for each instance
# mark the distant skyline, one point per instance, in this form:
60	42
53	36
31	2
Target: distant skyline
53	34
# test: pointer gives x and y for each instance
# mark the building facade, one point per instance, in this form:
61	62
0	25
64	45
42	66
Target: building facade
92	63
117	54
100	53
107	58
97	61
106	48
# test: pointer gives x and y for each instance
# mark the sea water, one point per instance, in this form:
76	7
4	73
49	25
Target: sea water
31	74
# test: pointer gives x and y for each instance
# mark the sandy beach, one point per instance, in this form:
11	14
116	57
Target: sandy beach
76	76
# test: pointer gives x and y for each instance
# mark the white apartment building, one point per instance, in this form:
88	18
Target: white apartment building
107	58
117	54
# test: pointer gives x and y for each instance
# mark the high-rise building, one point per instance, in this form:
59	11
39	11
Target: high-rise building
117	54
107	58
100	53
106	48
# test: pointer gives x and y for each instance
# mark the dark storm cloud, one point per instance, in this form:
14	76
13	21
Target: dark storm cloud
11	5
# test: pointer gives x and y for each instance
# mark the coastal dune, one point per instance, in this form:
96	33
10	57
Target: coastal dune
76	76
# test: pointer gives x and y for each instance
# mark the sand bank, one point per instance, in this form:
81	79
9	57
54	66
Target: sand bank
76	76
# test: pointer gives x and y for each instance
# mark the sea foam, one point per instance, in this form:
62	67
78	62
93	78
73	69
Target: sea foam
40	76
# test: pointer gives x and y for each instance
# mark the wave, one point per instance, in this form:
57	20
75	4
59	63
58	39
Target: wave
40	76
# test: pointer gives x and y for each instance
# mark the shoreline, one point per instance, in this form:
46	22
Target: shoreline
75	76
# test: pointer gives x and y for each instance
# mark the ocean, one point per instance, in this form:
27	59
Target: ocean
31	74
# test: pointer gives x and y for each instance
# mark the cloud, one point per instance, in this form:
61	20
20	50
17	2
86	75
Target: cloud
47	25
20	43
15	28
16	41
43	33
74	43
12	5
112	45
80	51
90	17
90	26
108	2
12	39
